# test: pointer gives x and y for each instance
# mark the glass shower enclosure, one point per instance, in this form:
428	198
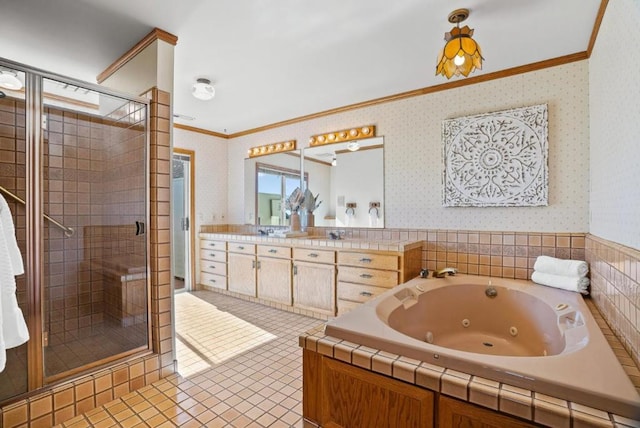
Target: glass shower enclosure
73	169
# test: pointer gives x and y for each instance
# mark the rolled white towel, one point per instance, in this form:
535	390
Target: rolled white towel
563	267
571	283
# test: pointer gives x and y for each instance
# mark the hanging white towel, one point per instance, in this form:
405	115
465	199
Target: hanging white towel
13	329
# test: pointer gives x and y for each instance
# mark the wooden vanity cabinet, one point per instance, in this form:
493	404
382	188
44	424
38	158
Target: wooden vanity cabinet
314	280
213	263
241	267
274	274
363	275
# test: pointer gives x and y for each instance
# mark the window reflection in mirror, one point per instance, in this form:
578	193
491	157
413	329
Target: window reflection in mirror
347	173
274	184
287	162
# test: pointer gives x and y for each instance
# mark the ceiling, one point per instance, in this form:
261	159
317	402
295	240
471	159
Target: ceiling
276	60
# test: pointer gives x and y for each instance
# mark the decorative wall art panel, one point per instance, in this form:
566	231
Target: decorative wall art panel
497	159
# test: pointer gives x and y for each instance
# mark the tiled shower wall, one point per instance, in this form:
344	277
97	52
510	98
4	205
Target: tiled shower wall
62	401
73	163
615	288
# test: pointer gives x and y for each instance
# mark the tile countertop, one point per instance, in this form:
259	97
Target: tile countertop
318	241
529	405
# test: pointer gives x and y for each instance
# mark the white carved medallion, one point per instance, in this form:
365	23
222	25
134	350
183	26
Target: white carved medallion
496	159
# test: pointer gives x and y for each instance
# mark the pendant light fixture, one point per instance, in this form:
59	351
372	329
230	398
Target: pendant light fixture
461	54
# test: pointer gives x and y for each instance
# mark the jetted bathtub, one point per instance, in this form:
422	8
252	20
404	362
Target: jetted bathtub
511	331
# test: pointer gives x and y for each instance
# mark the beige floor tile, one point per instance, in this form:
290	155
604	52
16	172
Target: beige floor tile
239	366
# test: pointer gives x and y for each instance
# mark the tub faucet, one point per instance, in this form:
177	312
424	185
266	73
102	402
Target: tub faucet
442	272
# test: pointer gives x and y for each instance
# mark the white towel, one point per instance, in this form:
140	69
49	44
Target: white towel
13	329
546	264
571	283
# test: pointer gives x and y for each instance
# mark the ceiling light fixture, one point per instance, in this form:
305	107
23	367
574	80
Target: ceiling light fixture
9	80
203	89
461	54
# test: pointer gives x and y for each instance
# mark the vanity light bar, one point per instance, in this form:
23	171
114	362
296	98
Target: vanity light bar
269	149
344	135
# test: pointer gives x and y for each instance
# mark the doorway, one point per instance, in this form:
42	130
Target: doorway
182	209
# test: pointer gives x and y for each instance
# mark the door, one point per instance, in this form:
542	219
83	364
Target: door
181	214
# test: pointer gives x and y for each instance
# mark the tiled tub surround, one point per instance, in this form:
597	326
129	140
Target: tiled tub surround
615	289
398	320
508	399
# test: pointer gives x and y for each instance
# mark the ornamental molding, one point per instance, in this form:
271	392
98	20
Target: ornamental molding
496	159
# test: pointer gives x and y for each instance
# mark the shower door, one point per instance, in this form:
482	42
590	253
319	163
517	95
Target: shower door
95	183
74	172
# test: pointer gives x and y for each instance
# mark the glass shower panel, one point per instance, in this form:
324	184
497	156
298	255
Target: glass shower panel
95	254
14	379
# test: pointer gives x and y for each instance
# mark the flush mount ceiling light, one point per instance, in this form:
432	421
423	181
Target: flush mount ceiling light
203	90
353	146
9	80
461	54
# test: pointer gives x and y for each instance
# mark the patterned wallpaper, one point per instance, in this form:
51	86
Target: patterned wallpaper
615	128
211	175
413	152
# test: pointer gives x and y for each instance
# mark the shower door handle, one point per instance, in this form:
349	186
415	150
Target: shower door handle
140	228
185	223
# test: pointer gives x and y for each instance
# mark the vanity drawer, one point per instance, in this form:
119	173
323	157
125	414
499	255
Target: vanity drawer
313	255
241	248
207	244
212	280
369	260
358	292
379	278
345	306
211	255
274	251
218	268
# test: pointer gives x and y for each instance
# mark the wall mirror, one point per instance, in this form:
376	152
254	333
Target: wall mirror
348	178
268	180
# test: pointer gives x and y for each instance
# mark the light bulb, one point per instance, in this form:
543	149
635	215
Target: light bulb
458	60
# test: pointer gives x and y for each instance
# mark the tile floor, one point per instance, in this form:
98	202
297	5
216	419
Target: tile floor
239	365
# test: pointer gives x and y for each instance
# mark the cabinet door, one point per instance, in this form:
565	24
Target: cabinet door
353	397
314	287
454	413
274	280
242	274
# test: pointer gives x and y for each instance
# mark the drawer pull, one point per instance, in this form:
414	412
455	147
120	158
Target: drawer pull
212	254
212	280
366	294
313	255
273	251
365	260
240	247
366	275
212	244
212	266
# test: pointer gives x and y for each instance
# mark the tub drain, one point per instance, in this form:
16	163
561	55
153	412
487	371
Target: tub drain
487	344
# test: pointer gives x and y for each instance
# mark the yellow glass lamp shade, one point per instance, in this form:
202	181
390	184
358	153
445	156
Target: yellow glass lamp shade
461	54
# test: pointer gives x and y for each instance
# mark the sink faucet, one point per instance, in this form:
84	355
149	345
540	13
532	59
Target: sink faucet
442	272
